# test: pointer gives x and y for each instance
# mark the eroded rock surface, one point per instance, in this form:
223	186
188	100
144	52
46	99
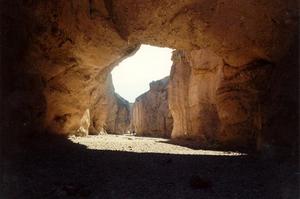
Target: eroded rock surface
67	51
111	113
118	121
56	57
214	102
192	94
238	31
150	113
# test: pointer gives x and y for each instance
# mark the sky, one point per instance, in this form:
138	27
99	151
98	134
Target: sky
132	76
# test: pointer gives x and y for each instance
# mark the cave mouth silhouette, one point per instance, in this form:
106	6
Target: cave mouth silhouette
59	168
132	76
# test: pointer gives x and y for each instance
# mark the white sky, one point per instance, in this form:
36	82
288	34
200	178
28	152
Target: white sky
132	76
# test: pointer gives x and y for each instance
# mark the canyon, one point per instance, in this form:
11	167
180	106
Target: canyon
234	83
66	51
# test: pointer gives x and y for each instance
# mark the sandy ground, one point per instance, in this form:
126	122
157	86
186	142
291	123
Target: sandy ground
136	144
127	167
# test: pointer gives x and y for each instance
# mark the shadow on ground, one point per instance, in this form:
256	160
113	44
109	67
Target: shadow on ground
58	168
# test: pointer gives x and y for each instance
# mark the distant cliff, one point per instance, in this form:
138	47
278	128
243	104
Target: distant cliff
150	111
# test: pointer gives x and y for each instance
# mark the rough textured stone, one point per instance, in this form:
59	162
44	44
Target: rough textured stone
150	113
84	124
56	56
71	47
118	121
111	113
192	94
214	102
240	94
240	31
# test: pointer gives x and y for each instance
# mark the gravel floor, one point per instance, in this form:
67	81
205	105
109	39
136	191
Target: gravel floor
125	167
132	143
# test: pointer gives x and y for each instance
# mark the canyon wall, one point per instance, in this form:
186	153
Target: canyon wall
213	102
192	95
56	57
240	107
150	112
111	113
67	50
118	121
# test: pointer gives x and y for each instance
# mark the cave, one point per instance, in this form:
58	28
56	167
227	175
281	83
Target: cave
233	86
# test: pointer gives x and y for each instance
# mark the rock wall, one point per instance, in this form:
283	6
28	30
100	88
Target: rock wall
56	57
213	102
150	113
192	94
111	113
67	50
118	121
239	31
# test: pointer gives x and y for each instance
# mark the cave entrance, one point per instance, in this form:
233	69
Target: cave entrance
132	77
141	92
141	88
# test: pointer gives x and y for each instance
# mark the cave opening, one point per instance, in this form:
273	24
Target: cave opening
234	84
138	86
141	120
132	77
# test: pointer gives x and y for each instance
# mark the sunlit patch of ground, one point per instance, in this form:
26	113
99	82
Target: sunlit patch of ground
135	144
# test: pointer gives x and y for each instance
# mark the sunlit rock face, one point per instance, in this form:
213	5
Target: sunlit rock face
118	121
192	94
65	52
150	112
213	102
111	113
